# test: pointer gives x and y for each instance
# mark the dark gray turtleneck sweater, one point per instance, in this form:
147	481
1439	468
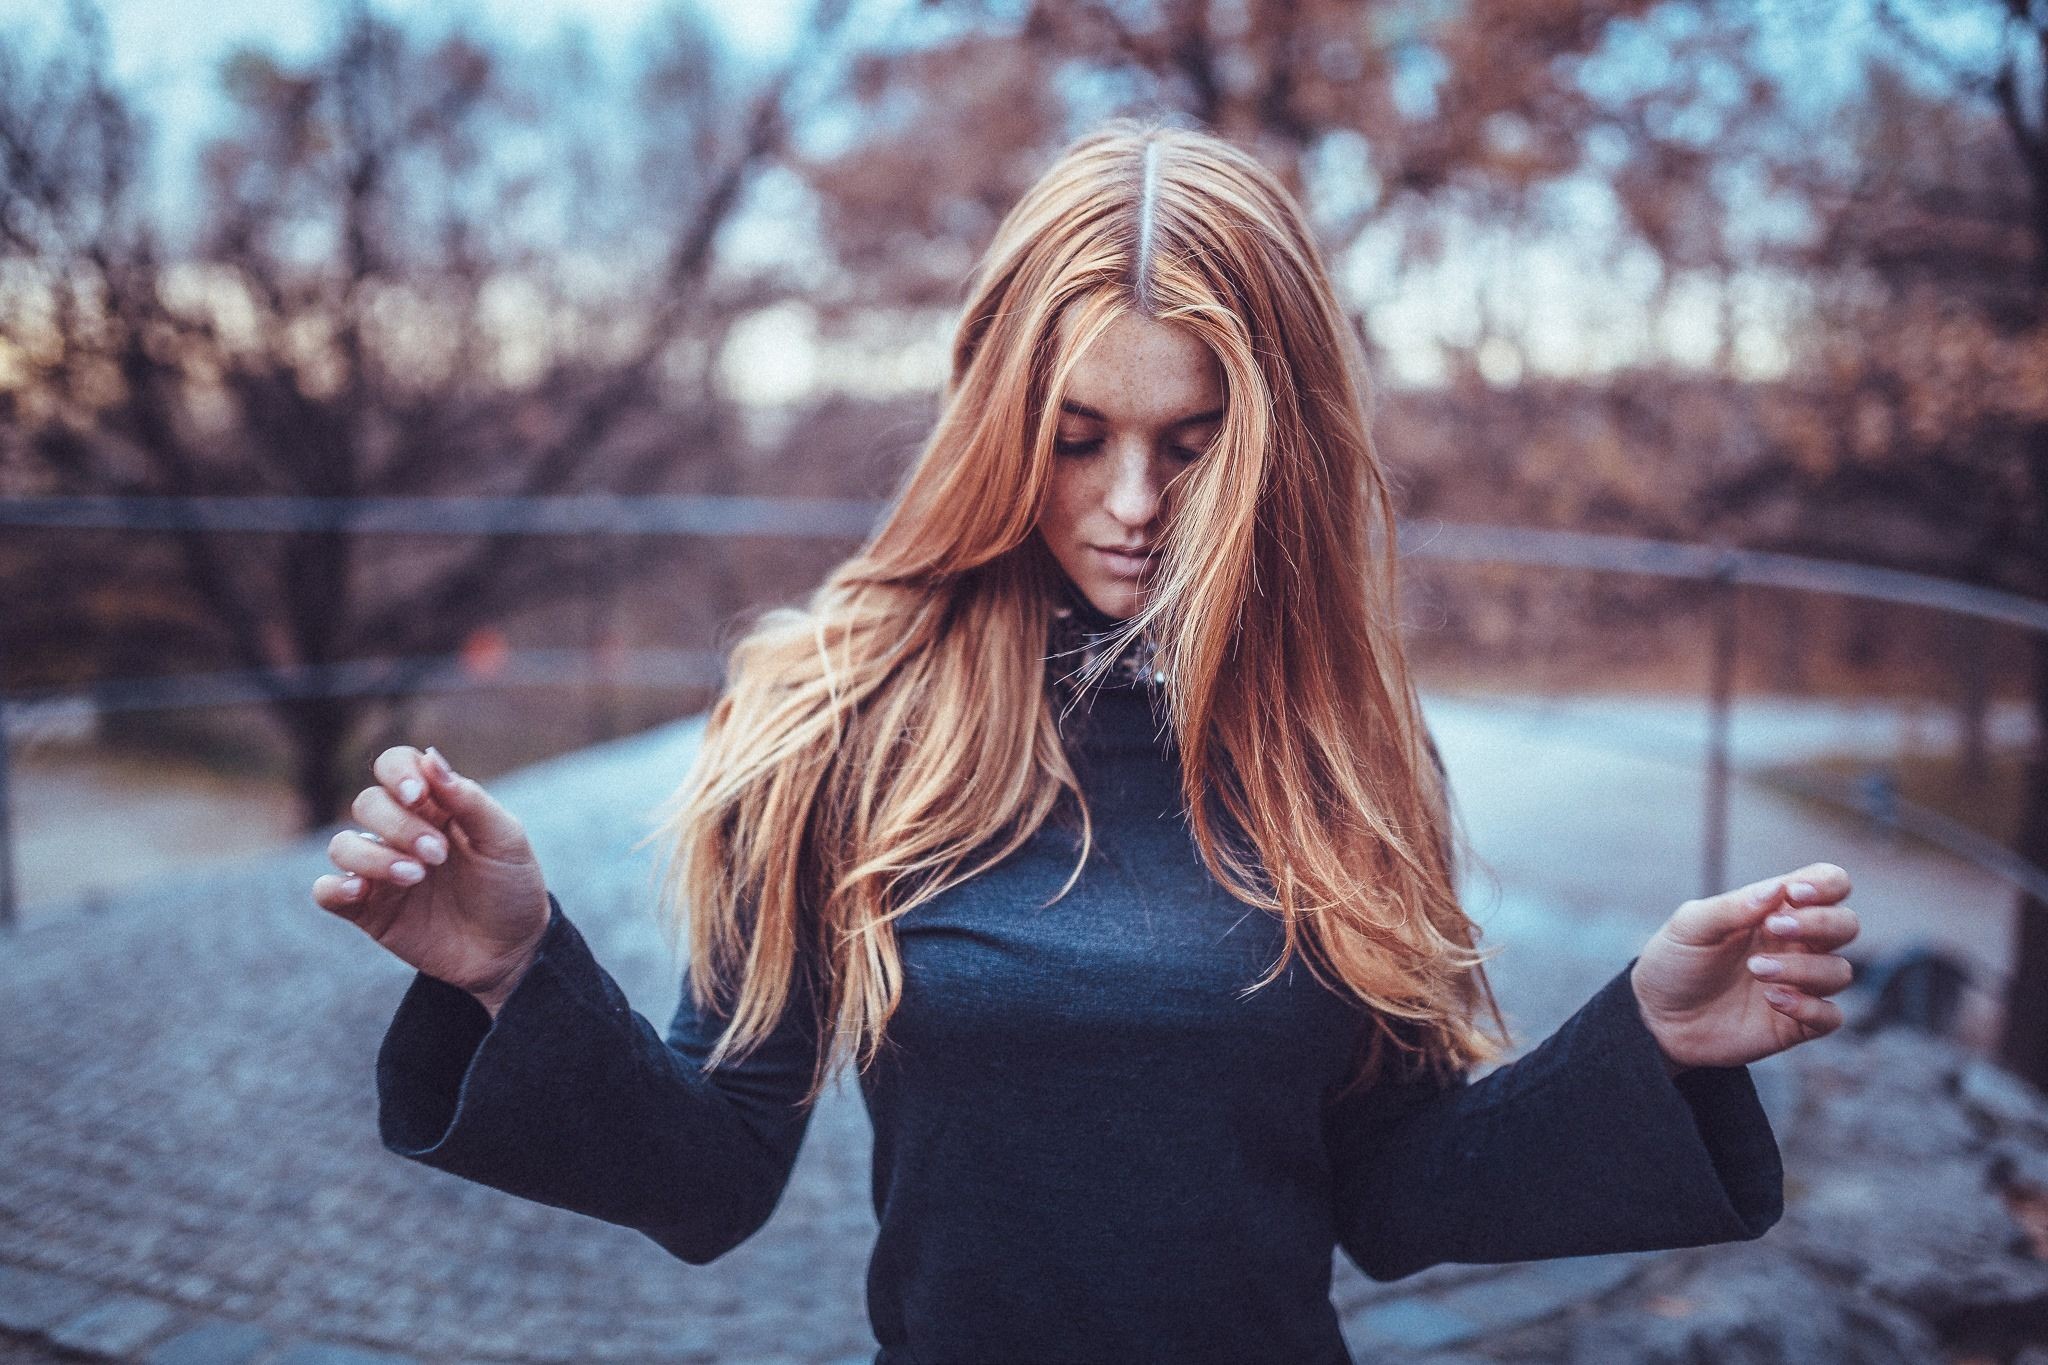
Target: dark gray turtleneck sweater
1088	1146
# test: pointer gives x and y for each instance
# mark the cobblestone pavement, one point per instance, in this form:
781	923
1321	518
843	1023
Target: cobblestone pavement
190	1172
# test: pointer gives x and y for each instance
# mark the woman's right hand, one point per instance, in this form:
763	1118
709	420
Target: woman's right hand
440	874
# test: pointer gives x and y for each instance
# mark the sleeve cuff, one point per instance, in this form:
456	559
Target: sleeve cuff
1719	1132
432	1043
1583	1146
571	1098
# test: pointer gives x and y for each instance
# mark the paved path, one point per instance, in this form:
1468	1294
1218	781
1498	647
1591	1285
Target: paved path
171	814
189	1164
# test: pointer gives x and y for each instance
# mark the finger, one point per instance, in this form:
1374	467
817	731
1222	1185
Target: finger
375	809
340	893
1817	884
1818	928
1814	973
490	828
1820	1016
431	811
1716	919
360	852
398	769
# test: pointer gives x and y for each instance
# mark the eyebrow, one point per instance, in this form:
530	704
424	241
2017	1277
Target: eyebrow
1083	410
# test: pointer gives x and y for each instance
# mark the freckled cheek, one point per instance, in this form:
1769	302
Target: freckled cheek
1064	511
1055	526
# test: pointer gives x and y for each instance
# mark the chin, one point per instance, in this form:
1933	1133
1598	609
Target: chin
1112	592
1118	599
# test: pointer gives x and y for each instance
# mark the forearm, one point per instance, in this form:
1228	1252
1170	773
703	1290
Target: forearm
1589	1144
567	1096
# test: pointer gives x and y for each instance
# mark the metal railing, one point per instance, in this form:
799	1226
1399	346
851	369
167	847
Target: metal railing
1725	569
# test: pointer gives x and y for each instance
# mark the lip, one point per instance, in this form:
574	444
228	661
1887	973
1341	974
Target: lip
1127	565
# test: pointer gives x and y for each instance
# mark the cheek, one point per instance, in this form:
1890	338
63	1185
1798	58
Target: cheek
1065	503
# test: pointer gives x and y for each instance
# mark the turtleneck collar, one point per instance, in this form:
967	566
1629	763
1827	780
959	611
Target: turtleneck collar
1081	633
1124	711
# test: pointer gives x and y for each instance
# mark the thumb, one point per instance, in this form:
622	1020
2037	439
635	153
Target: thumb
1716	919
491	829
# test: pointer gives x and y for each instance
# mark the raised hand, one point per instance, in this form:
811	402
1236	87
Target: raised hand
441	875
1709	1002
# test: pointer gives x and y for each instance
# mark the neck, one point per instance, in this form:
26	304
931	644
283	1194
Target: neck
1086	612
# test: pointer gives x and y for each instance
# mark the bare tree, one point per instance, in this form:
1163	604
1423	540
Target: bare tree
1358	107
1914	412
382	297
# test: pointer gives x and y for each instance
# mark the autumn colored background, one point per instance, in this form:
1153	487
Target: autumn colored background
1765	274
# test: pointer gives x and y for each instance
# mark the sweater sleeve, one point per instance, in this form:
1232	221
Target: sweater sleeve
570	1098
1582	1146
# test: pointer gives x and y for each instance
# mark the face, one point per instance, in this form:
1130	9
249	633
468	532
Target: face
1145	402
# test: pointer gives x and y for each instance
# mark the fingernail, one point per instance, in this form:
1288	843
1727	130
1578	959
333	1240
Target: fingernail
1801	891
1779	997
406	870
438	764
1764	966
1781	924
1763	894
409	790
351	887
432	849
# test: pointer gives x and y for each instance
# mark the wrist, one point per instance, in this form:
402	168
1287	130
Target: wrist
1671	1066
494	996
491	1001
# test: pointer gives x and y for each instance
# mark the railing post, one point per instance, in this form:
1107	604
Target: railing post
8	916
1972	645
600	620
1726	589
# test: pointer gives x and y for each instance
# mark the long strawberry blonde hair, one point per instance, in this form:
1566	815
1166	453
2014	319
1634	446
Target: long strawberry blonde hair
896	735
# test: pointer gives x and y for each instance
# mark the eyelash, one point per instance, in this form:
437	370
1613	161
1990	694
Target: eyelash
1084	447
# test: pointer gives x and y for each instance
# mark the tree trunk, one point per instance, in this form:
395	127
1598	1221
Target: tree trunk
2023	1043
319	728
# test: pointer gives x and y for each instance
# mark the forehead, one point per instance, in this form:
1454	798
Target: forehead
1144	373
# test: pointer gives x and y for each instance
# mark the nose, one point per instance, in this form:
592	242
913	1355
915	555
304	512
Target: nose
1133	497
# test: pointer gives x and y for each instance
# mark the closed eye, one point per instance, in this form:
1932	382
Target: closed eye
1181	453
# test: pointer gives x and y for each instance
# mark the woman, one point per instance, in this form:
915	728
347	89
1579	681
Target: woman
1034	810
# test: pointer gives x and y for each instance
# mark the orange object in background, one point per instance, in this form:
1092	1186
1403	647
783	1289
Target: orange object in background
485	651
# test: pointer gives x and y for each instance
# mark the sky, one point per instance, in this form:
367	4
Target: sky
167	52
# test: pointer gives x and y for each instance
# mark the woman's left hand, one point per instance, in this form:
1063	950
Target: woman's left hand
1709	1003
